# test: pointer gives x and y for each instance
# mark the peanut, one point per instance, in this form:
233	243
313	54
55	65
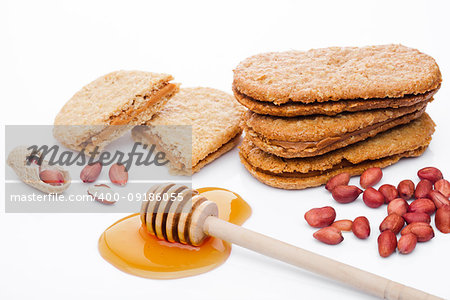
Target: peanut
423	205
320	217
416	217
370	177
91	172
423	188
406	189
118	174
442	219
329	235
373	198
407	243
392	222
431	173
443	186
438	199
389	192
343	225
52	177
398	206
346	193
423	231
387	243
340	179
361	227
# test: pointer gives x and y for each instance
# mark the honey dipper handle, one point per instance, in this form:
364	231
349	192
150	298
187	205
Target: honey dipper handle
365	281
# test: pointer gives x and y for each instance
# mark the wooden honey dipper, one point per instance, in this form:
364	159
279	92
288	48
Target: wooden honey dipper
176	213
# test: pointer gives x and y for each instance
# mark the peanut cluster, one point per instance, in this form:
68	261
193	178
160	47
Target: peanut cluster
431	196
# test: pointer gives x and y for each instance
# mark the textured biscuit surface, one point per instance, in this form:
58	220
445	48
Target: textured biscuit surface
337	73
214	115
120	94
382	150
108	96
330	108
397	140
291	149
317	127
336	136
326	145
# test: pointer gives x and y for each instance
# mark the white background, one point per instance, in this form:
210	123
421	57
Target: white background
50	49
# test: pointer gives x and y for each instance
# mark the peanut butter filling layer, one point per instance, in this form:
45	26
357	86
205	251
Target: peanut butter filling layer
294	109
327	141
126	116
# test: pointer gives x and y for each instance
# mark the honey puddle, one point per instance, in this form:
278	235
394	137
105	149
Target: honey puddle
128	247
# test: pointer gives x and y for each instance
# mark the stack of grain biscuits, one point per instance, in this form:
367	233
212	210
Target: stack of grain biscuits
318	113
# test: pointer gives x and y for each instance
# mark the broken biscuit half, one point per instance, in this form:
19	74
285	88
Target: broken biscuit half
109	106
194	128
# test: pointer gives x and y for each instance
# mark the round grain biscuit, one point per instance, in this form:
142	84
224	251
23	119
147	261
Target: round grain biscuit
336	73
398	140
387	148
330	108
306	137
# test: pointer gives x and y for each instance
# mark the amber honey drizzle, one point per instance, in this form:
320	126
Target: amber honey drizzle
128	247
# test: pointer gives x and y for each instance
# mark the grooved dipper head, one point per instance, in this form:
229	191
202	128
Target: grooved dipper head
175	213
